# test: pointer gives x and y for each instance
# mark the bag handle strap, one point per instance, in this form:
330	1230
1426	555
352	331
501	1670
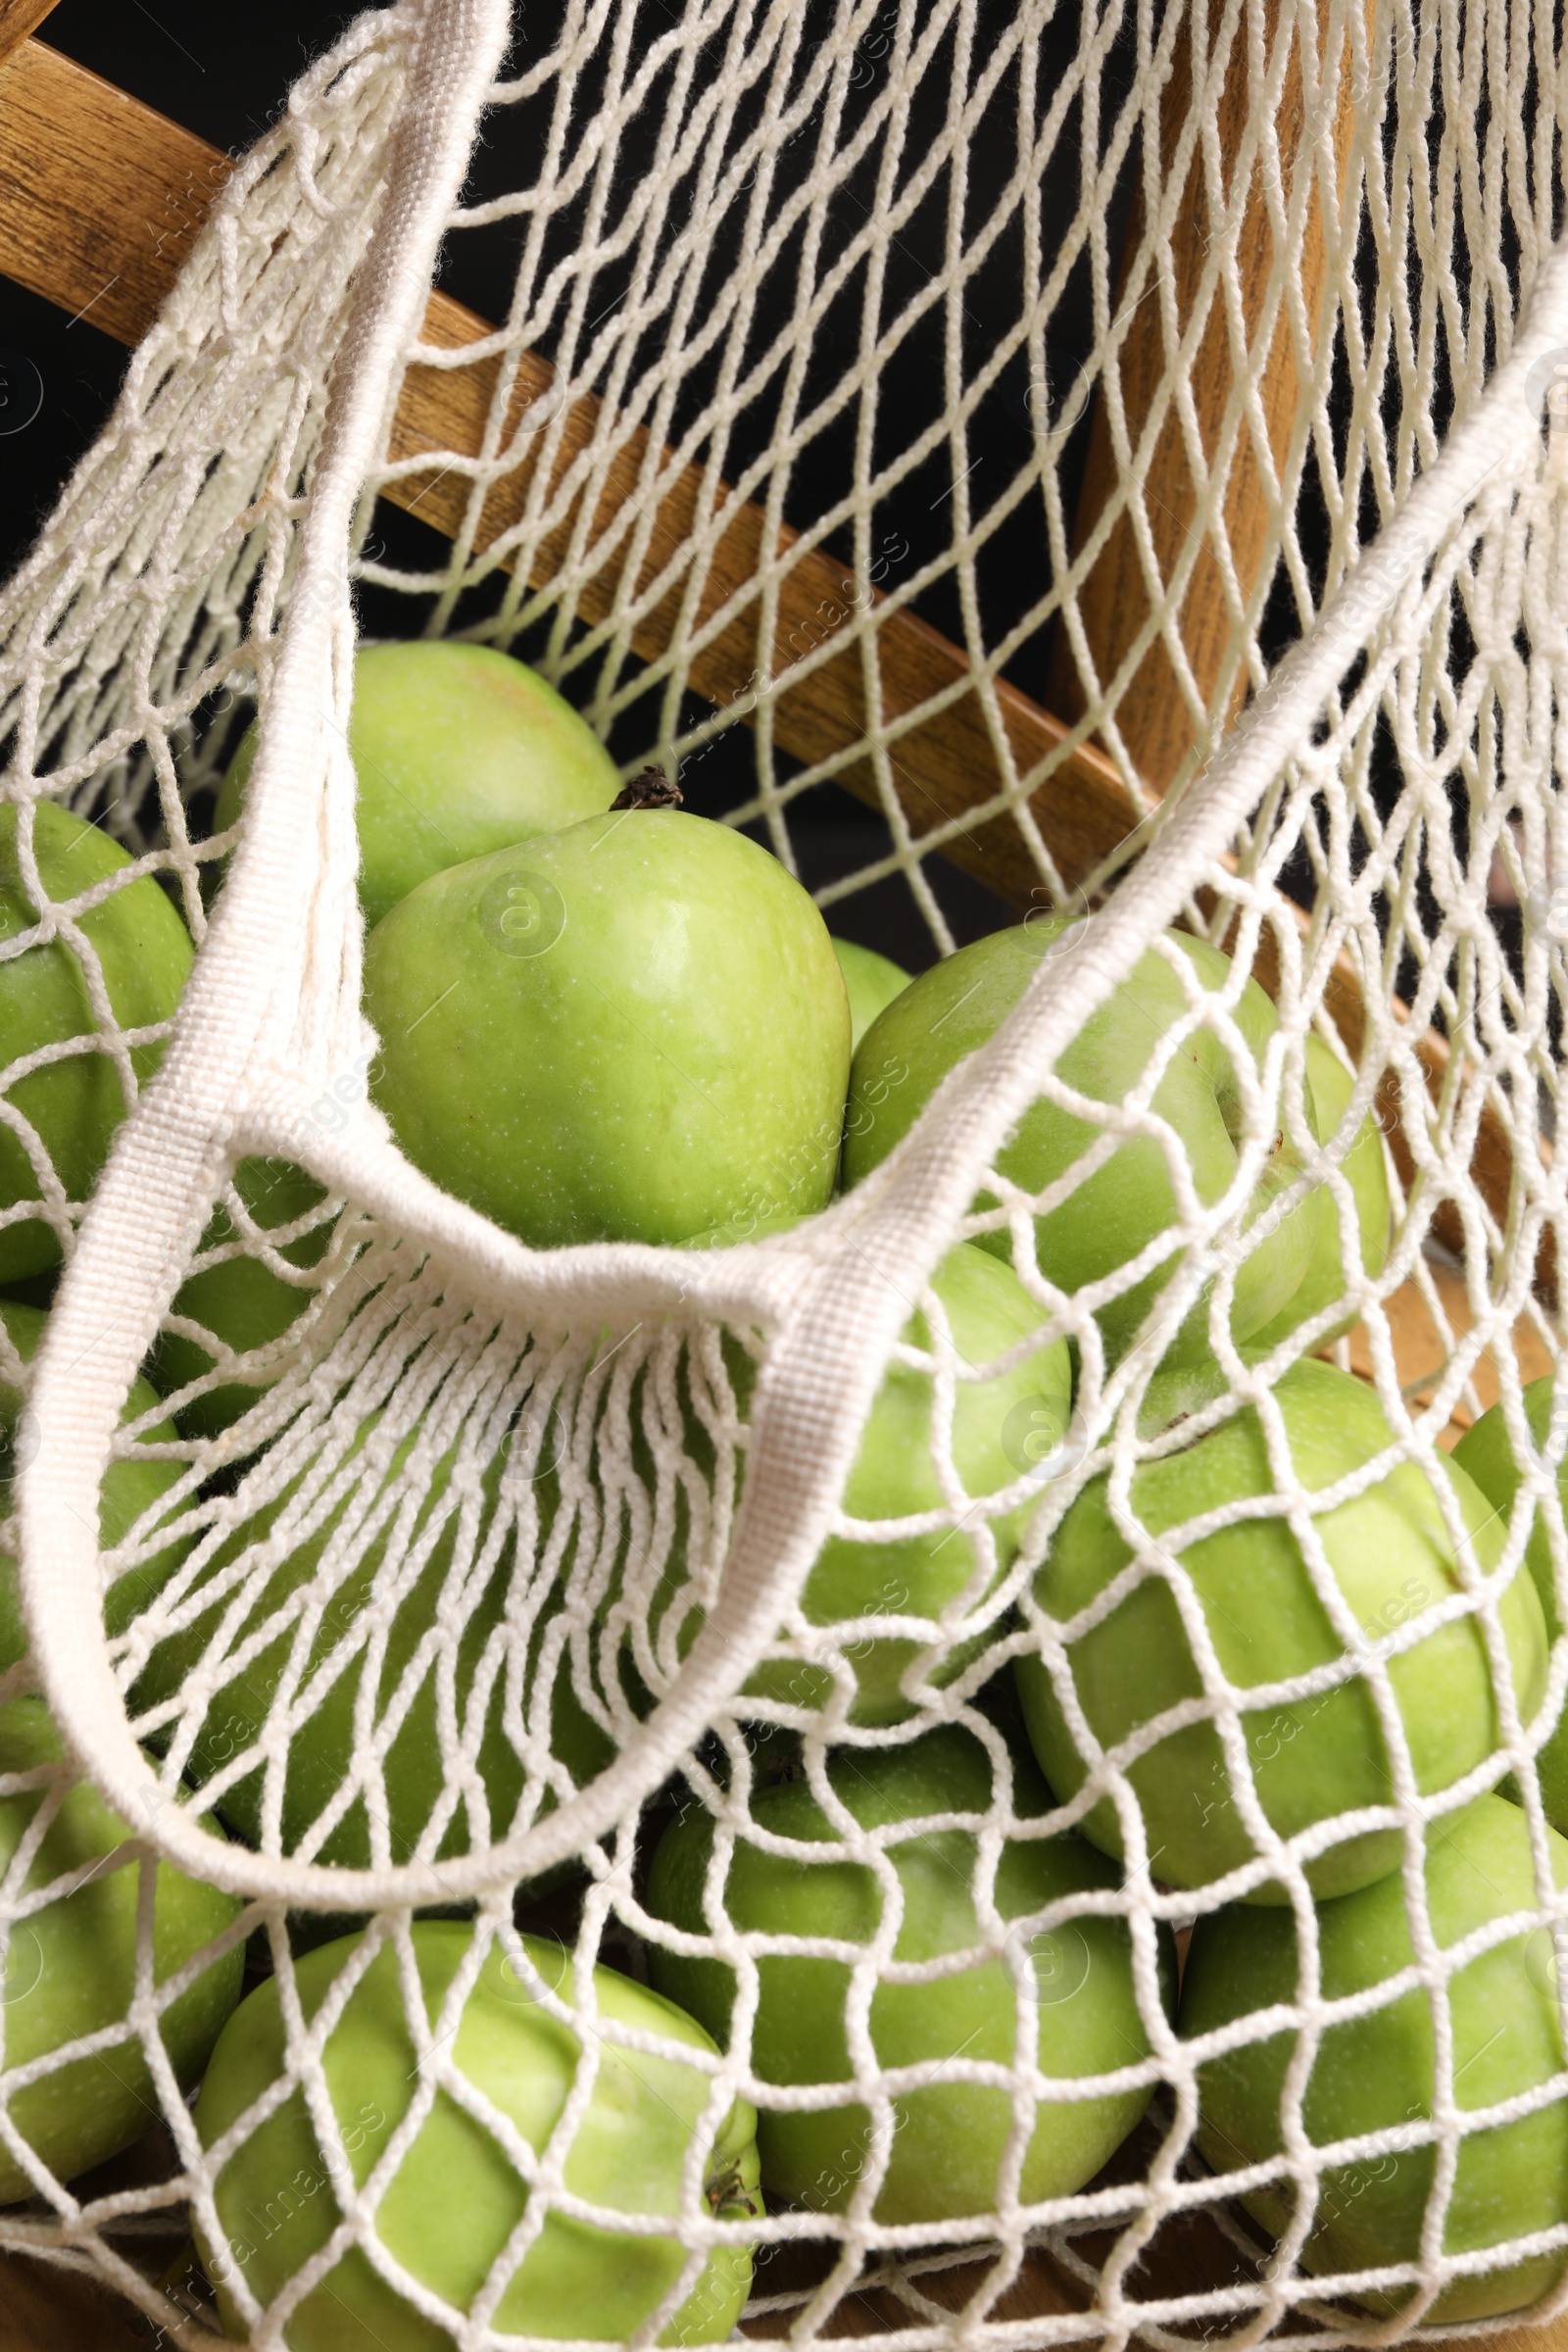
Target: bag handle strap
164	1166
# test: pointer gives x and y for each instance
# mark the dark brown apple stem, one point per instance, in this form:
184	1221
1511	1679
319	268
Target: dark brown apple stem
652	789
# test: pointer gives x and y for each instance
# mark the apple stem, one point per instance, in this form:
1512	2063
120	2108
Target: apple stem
651	789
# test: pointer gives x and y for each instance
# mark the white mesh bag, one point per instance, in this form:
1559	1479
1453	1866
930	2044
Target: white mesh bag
947	304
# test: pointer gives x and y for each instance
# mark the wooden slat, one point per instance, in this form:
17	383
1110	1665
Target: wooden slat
1152	718
1421	1352
100	197
945	768
1491	1153
45	2309
18	20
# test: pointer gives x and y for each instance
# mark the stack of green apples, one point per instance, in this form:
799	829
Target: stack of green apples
1217	1790
601	1017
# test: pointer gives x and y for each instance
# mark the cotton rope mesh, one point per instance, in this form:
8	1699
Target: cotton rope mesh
860	281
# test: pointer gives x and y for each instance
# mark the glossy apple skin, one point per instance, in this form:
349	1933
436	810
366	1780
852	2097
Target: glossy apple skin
950	2135
1375	2070
1002	1428
949	1011
1486	1452
458	750
456	2198
322	1746
1390	1553
70	1969
130	1487
632	1030
76	1103
873	982
1367	1176
241	1300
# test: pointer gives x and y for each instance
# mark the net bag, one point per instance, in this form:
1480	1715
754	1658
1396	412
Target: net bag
866	381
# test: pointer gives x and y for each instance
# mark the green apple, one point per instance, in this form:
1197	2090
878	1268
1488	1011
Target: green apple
1389	1551
456	2198
70	1968
1070	1985
74	1105
422	1631
1002	1427
631	1030
458	750
1367	1176
873	982
1129	1203
130	1486
1376	2070
240	1301
1487	1453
